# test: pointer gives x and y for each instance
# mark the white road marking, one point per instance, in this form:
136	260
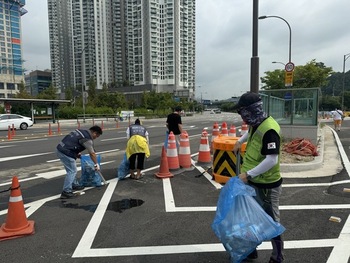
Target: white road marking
342	153
5	159
113	139
84	247
7	146
56	173
340	252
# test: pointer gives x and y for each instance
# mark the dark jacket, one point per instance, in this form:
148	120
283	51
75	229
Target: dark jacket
72	144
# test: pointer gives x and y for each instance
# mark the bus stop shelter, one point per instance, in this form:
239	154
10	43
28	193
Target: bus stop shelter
51	103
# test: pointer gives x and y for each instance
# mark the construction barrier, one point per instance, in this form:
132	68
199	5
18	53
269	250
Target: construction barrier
164	168
204	150
224	159
185	160
173	158
16	224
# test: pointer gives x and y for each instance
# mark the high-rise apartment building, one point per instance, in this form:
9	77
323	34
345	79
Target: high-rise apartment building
144	43
11	60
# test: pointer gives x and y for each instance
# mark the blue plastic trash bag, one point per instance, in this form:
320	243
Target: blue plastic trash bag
240	223
89	177
166	140
123	168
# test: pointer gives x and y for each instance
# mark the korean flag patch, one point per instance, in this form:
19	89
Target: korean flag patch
271	145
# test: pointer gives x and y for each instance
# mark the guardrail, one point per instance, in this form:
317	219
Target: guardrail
93	117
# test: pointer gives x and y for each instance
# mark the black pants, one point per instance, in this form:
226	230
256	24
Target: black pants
140	161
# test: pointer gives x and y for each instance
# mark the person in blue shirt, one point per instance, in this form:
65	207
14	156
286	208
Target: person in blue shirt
69	149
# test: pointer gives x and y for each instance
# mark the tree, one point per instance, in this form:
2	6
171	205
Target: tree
22	92
313	74
49	94
92	91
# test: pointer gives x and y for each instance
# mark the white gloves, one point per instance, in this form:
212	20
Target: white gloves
97	167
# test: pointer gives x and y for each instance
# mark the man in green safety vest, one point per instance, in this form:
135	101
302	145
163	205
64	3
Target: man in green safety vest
261	162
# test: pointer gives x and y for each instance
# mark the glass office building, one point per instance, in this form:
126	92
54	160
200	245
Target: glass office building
11	61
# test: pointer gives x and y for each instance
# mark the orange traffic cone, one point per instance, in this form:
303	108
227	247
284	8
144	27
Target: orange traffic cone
204	151
16	224
232	132
13	131
244	128
215	133
171	153
164	168
9	137
224	130
50	130
184	151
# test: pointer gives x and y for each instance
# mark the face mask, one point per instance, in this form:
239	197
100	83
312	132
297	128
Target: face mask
253	114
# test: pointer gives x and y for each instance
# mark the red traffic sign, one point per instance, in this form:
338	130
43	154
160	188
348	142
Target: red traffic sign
289	67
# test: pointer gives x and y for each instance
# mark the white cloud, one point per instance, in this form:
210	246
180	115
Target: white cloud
224	39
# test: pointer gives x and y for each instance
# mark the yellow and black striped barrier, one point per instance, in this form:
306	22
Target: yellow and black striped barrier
224	160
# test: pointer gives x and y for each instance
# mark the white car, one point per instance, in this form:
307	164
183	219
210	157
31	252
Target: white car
19	121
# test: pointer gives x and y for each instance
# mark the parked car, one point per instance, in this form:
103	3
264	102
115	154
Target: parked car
19	121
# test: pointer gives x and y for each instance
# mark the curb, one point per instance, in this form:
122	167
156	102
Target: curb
306	166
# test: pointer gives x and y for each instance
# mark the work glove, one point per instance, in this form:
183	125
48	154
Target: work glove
97	167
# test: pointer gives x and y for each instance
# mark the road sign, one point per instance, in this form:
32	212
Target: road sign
288	79
289	67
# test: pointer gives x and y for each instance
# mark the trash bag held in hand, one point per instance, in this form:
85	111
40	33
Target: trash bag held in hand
89	177
240	223
123	168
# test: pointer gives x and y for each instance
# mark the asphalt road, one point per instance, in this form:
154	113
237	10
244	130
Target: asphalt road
153	220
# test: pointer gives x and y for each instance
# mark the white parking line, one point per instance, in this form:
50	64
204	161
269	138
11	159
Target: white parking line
339	255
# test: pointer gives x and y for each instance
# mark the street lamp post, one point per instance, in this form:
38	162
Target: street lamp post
277	62
83	81
254	61
345	58
290	66
290	33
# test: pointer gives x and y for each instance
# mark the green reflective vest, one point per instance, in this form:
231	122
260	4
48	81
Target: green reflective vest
253	156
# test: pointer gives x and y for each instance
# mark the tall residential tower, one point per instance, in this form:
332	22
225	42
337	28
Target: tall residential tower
144	43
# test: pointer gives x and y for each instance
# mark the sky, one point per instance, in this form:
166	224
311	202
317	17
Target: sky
320	30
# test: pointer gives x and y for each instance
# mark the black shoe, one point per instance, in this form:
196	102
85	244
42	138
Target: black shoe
67	195
274	261
253	255
78	187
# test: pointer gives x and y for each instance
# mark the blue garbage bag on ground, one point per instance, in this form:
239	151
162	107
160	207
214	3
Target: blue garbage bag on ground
240	223
123	168
89	177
